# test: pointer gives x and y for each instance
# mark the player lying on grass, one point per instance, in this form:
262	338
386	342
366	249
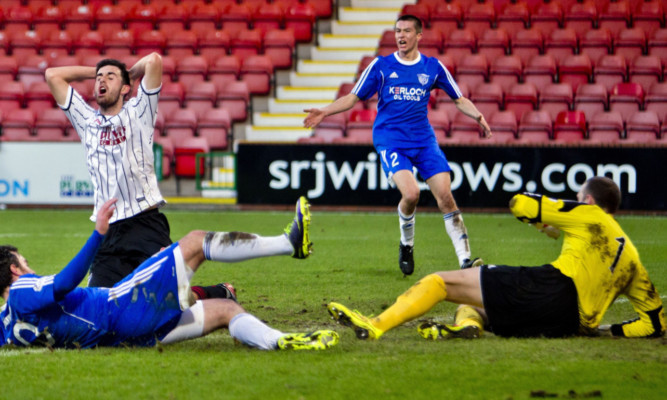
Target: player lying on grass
151	304
569	296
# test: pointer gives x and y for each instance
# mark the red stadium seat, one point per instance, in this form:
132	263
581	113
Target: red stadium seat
269	16
575	70
488	97
630	43
201	97
615	16
11	96
439	120
418	10
646	70
24	44
300	17
472	70
596	43
535	127
167	154
493	43
642	127
205	18
18	126
504	126
224	69
279	47
246	43
215	125
626	98
180	43
235	98
527	44
192	69
570	127
8	68
556	98
506	71
514	17
18	17
547	18
387	42
479	17
464	129
444	102
657	45
117	43
581	17
150	41
79	18
459	43
331	127
540	71
648	16
521	98
430	43
656	100
172	96
180	125
48	19
561	43
110	17
360	126
605	128
591	98
172	16
185	158
610	70
32	70
446	17
142	17
213	43
51	124
257	72
38	97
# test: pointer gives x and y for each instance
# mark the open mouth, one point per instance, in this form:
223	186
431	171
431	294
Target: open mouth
102	90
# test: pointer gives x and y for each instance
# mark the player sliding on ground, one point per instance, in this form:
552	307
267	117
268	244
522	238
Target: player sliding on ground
569	296
151	304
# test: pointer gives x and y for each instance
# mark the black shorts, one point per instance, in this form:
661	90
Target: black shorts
529	301
127	244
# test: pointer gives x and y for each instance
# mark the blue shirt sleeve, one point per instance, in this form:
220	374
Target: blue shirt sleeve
369	82
446	82
74	272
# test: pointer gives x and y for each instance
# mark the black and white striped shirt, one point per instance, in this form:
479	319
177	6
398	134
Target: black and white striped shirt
119	151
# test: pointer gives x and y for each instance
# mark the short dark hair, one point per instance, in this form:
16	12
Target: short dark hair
123	69
414	19
605	192
7	258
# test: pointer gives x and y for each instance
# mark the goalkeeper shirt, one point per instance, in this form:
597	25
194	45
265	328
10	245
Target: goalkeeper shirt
601	260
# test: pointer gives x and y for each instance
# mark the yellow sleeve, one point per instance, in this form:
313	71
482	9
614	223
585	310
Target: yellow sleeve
536	208
646	301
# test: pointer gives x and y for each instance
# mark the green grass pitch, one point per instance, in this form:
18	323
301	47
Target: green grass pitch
354	262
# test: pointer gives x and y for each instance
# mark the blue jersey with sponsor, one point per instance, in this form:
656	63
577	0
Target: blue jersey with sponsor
138	310
404	89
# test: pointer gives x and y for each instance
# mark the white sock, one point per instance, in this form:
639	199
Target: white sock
456	230
407	227
249	330
240	246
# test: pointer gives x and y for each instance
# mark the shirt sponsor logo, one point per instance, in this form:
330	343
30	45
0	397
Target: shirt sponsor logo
409	94
112	135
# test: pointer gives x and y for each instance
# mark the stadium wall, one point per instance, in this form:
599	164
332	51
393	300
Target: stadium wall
482	176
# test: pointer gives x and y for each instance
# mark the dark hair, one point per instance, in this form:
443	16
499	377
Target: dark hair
7	258
123	69
414	19
605	192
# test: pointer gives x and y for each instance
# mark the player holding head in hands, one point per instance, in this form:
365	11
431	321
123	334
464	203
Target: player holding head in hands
151	304
403	137
569	296
118	138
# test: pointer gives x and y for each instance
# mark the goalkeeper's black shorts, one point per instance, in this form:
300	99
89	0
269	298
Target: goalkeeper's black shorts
529	301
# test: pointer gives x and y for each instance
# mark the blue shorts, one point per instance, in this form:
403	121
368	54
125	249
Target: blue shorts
147	304
429	160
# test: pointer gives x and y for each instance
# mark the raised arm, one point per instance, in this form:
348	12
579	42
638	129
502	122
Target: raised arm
59	79
74	272
149	66
316	115
468	108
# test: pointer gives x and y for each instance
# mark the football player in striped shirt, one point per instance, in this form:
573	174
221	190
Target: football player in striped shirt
118	138
403	136
569	296
153	303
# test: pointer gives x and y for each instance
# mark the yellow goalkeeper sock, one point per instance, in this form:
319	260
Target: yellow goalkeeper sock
468	315
416	301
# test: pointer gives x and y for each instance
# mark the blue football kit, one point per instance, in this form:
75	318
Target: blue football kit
53	311
402	134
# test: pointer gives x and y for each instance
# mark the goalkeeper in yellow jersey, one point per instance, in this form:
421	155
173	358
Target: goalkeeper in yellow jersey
569	296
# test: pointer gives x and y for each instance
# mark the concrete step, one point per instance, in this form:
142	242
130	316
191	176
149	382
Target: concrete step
320	80
322	67
306	93
278	120
361	28
358	14
276	134
341	53
295	106
330	40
